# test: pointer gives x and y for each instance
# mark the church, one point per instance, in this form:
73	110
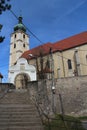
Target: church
68	57
65	58
19	70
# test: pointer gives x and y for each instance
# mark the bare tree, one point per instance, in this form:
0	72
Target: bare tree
3	7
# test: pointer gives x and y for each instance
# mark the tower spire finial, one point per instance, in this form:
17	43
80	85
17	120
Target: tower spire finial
20	19
20	25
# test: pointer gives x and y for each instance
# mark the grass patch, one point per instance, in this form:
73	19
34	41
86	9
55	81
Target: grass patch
82	118
63	123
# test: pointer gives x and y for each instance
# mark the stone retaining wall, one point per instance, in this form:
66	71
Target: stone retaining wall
73	92
4	86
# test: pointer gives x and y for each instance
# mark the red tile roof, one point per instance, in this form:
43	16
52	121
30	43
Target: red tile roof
42	49
71	42
68	43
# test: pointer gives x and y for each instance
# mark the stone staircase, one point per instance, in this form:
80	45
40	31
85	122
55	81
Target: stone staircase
18	113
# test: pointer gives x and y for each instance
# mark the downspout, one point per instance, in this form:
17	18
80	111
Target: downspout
63	64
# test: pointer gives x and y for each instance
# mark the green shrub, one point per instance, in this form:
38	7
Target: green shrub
63	123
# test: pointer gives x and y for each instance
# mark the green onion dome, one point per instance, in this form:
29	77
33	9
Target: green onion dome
20	25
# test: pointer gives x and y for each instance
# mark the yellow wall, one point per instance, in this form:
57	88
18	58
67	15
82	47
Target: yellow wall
60	62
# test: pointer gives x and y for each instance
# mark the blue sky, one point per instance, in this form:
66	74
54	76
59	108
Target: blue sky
49	20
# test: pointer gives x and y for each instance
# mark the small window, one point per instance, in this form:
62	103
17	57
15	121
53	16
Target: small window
15	35
24	45
86	57
23	36
14	45
69	64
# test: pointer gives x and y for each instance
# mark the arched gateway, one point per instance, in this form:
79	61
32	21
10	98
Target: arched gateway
21	80
21	73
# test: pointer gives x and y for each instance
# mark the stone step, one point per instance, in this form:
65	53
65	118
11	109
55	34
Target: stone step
19	122
21	128
8	123
31	109
19	110
18	116
21	125
20	119
16	110
16	105
16	100
18	113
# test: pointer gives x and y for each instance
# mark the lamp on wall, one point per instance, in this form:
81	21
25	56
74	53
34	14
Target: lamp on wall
53	89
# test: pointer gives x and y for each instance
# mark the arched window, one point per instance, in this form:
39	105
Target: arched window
69	64
23	36
15	35
24	45
86	58
14	45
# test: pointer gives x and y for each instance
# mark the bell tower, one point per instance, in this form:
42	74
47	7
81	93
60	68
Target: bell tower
20	71
19	42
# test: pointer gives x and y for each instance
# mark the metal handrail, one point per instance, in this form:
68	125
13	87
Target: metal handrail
4	93
41	113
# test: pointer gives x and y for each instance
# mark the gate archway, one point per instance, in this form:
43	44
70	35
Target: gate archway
21	80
